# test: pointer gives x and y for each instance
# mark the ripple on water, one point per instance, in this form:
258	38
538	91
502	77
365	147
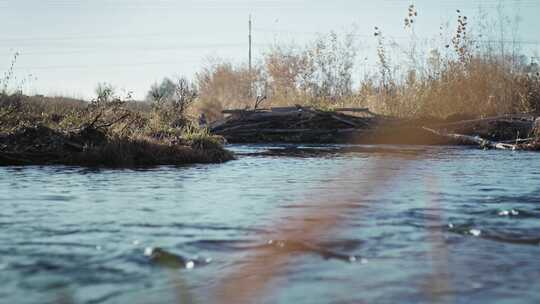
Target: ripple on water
53	238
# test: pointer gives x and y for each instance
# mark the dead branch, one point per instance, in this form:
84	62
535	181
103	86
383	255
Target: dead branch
106	125
258	101
95	120
243	126
474	140
345	121
519	140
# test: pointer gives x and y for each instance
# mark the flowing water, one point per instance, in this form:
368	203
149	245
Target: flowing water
415	224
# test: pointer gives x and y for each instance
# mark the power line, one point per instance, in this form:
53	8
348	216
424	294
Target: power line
95	50
131	49
393	37
250	30
89	66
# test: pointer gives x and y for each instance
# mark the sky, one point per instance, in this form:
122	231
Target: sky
69	46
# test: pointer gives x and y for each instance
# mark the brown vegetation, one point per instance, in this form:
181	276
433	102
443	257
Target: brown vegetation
467	75
106	132
463	78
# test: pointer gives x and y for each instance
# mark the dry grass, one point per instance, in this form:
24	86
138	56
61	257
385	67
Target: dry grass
112	132
461	77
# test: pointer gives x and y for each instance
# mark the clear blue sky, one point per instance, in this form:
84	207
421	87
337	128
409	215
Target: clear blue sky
71	45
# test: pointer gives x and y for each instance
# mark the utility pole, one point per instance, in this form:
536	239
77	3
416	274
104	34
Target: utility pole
249	43
249	62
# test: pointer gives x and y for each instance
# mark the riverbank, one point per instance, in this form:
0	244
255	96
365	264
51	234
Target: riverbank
40	145
115	133
110	134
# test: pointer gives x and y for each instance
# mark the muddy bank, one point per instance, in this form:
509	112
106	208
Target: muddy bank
88	146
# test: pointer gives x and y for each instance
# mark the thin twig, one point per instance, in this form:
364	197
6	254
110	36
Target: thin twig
91	125
8	113
113	122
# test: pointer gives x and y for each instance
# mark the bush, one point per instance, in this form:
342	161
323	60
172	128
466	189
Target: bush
171	100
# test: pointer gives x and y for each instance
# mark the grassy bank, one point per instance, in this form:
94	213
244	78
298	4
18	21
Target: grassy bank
105	132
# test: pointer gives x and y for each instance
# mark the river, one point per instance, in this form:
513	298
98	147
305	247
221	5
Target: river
420	225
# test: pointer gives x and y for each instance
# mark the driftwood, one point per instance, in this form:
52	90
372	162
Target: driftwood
293	108
290	124
308	125
283	109
519	140
350	123
364	110
514	118
234	111
244	126
499	128
356	110
474	140
273	130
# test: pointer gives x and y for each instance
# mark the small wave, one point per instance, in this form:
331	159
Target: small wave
61	244
494	235
105	298
515	213
221	245
302	246
194	226
77	270
64	232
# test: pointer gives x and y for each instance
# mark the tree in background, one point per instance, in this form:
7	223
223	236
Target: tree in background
171	99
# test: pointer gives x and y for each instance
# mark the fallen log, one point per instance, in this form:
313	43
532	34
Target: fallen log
242	126
474	140
254	131
270	115
234	111
334	116
517	119
345	121
284	109
356	110
519	140
365	110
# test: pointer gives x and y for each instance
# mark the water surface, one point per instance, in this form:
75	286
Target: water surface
442	224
